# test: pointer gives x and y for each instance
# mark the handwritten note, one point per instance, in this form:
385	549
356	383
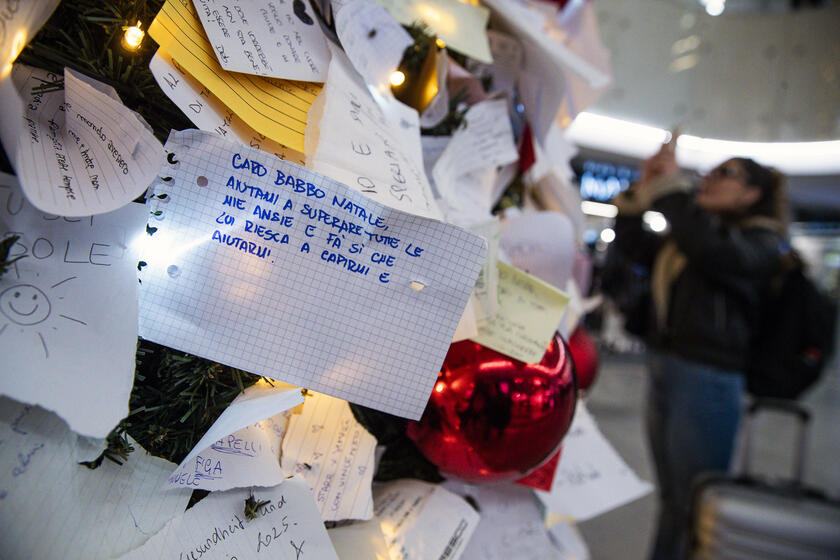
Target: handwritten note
79	151
529	312
242	448
75	288
287	528
352	140
52	507
461	25
511	524
334	454
484	143
207	112
373	40
280	271
277	39
422	520
360	541
591	478
486	291
275	108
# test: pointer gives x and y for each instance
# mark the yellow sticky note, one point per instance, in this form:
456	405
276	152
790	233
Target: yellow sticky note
462	26
529	312
273	107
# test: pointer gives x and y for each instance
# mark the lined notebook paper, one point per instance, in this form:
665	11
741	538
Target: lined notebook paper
273	107
275	269
52	507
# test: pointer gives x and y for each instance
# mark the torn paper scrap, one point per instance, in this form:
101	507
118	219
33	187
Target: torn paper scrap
242	447
591	478
334	454
288	527
78	151
461	25
359	541
529	312
351	139
484	143
373	40
207	112
422	520
511	524
53	507
277	270
75	288
272	39
273	107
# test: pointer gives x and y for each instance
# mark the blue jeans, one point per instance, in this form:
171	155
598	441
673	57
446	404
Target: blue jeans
693	412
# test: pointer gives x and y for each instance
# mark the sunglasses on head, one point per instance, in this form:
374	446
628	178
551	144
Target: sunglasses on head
726	172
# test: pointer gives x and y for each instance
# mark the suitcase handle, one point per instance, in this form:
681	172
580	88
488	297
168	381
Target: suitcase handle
789	407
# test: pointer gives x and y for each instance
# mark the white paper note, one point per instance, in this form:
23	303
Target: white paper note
242	447
79	151
288	528
280	271
360	541
207	112
486	291
373	40
351	139
52	507
334	454
568	540
422	520
591	478
68	311
542	244
484	143
278	39
511	524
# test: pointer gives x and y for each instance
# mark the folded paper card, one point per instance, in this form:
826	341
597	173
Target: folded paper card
74	288
273	107
591	478
242	448
461	25
207	112
529	313
274	39
375	150
288	527
78	150
53	507
334	454
373	40
422	520
272	268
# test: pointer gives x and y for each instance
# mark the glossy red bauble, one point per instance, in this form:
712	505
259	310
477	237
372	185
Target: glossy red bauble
493	418
585	355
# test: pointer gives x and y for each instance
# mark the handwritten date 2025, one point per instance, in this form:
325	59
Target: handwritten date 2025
264	541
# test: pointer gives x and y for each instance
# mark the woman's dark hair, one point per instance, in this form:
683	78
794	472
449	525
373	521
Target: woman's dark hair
773	202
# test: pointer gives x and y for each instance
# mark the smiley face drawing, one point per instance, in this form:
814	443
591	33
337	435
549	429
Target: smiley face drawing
24	304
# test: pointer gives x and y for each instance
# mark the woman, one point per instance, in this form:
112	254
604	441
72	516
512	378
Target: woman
707	272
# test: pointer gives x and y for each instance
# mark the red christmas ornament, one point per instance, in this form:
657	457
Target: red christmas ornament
585	355
493	418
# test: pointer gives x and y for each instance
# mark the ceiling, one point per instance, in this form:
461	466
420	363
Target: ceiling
760	72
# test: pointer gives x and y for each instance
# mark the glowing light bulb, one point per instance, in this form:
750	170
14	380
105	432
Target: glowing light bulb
397	78
133	37
440	43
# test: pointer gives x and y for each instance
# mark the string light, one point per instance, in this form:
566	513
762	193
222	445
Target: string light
397	78
440	43
133	37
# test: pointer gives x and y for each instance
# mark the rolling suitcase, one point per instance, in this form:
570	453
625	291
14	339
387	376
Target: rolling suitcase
743	517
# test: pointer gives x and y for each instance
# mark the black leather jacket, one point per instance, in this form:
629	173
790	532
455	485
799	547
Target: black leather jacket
714	301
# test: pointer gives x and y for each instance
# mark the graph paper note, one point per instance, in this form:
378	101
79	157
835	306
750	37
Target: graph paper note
263	265
273	107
